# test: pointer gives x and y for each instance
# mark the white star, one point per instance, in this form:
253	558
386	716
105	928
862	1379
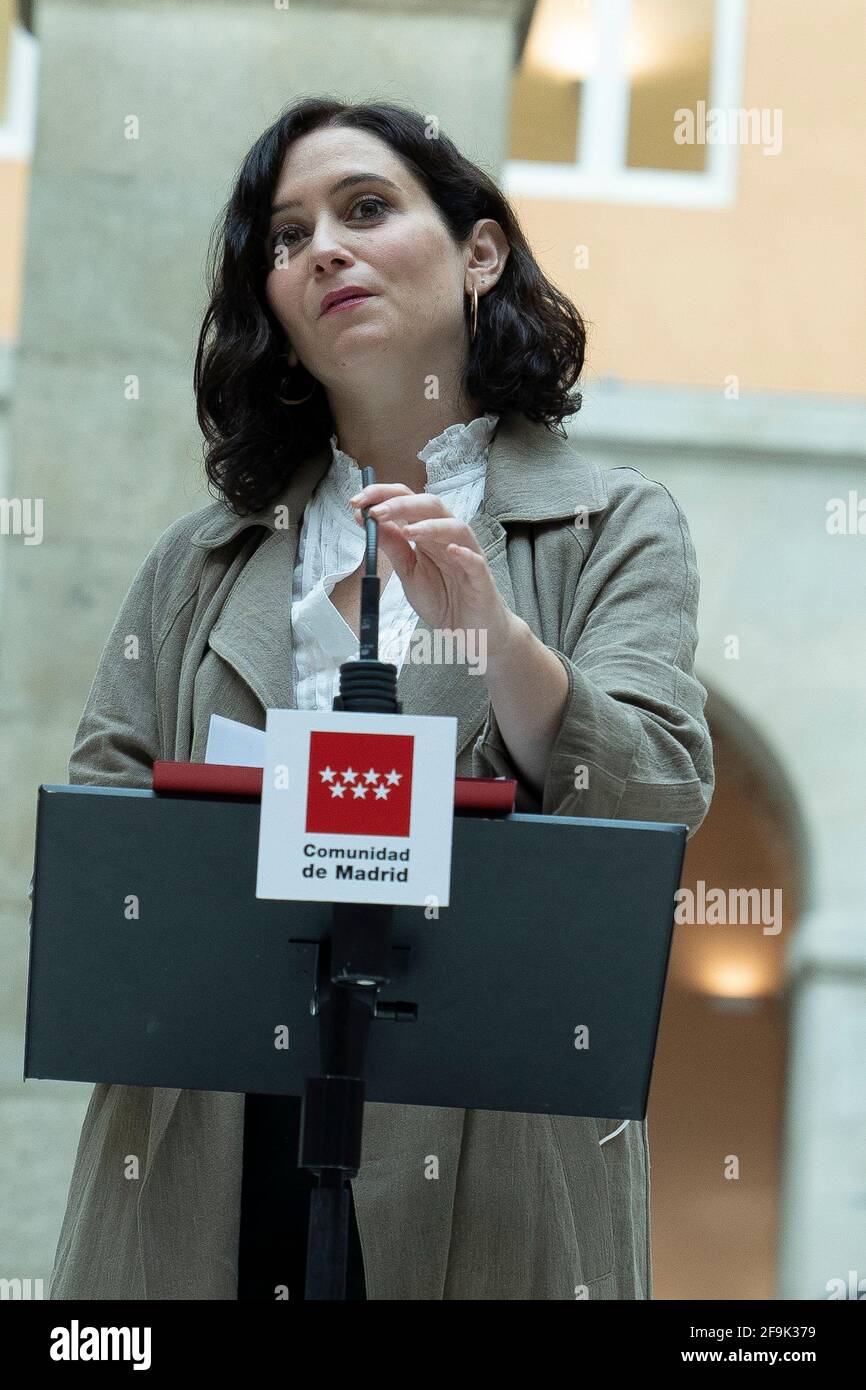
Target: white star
359	790
337	789
326	773
382	792
371	776
394	777
350	774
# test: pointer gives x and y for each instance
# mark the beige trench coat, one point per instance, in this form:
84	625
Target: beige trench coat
525	1206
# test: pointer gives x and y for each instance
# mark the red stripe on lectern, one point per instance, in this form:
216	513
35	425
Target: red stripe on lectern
470	793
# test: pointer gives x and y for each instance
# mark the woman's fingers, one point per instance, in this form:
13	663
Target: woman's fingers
443	531
415	507
430	549
398	550
377	492
385	502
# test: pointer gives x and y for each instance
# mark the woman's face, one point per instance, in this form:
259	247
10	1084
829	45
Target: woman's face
359	218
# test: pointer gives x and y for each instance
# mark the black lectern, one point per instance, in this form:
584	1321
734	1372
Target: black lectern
555	924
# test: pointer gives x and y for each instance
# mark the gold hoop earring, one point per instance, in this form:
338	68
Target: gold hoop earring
473	324
299	400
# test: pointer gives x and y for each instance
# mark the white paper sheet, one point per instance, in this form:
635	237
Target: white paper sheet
234	744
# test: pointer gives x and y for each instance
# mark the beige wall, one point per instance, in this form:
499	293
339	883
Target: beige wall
14	185
773	289
14	179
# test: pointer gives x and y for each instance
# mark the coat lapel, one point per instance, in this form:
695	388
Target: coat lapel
254	630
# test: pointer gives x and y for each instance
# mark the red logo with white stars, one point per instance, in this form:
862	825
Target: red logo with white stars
359	784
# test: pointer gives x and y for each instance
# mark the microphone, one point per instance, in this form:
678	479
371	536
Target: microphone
369	684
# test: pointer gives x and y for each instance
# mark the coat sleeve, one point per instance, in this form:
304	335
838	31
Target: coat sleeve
633	743
117	740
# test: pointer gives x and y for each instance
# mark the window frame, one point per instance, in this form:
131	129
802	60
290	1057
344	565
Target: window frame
599	172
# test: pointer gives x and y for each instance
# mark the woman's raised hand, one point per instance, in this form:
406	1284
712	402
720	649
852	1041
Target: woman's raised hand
446	577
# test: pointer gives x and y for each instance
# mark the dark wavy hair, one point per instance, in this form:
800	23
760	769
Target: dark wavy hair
527	354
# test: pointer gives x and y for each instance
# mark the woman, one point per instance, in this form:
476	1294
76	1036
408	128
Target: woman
447	366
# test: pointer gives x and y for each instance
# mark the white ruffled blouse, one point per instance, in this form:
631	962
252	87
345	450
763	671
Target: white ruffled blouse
331	546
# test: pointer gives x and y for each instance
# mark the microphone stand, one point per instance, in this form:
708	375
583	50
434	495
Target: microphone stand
353	965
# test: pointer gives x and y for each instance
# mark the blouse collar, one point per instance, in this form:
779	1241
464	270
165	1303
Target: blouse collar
456	450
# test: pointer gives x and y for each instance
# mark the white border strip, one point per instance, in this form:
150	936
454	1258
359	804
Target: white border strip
679	416
18	132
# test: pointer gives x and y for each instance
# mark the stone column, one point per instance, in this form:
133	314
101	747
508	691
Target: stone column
823	1226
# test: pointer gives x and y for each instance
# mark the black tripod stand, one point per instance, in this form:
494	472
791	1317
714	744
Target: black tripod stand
353	966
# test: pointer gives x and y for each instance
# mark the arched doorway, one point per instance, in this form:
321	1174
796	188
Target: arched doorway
716	1102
